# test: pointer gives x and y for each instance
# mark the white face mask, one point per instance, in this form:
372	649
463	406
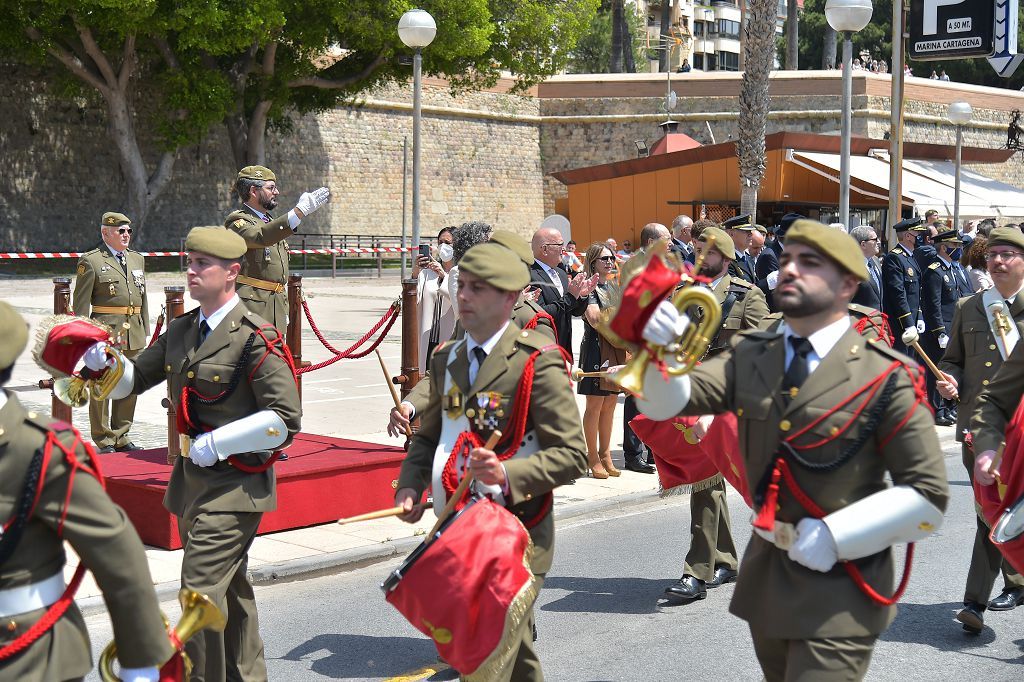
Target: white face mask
445	252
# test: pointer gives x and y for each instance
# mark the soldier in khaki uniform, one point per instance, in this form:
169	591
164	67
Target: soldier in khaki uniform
239	386
261	284
110	287
473	382
816	461
973	355
711	559
32	555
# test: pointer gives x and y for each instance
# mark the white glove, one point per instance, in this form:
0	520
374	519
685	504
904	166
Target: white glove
203	452
943	340
920	326
140	674
814	547
665	326
773	280
96	358
309	202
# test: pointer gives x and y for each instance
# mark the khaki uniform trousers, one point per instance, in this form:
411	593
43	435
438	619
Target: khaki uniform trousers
835	659
711	543
525	666
986	559
111	420
215	561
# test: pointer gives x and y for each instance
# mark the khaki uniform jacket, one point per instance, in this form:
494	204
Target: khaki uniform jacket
266	259
101	281
744	314
266	386
972	355
995	405
773	322
774	594
100	533
553	417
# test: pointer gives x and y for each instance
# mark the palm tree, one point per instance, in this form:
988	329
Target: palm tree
759	55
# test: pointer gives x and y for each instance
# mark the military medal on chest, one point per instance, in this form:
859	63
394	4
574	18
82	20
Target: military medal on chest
266	255
113	288
488	411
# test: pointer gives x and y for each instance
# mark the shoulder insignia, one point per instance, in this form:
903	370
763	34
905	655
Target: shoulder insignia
737	281
81	269
239	223
934	265
534	340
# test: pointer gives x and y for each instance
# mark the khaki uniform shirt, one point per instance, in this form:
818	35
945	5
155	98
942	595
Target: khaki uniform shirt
553	418
101	535
776	596
972	355
270	386
101	281
267	260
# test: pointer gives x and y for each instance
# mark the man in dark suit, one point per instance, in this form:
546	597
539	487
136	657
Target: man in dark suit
869	292
740	229
560	297
901	283
682	237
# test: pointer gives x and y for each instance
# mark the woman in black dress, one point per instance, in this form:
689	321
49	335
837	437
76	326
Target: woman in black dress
597	353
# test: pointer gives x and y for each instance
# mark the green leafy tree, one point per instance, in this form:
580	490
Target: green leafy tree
593	51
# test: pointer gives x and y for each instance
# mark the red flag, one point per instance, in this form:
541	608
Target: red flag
996	498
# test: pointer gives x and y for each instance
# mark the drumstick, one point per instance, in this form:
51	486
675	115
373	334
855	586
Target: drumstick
379	514
394	391
463	485
910	338
1000	320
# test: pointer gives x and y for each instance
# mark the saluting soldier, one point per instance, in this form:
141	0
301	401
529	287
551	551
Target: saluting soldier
711	559
241	407
740	230
473	384
944	284
818	441
975	352
261	284
110	287
901	282
45	464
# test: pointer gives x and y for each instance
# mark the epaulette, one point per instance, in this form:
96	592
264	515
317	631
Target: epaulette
934	265
45	422
887	350
90	252
864	310
898	250
534	340
741	283
256	321
444	346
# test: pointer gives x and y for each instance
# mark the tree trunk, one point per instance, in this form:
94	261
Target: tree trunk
617	31
792	36
759	49
828	51
665	54
628	58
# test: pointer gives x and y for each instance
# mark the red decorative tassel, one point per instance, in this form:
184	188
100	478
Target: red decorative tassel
766	516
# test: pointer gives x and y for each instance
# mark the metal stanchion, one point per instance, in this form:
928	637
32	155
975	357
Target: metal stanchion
410	375
175	307
293	335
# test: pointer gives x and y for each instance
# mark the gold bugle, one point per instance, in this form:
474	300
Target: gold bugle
578	374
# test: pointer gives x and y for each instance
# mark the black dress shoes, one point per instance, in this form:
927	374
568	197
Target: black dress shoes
638	465
127	447
283	457
107	449
687	589
1008	600
972	618
944	420
722	576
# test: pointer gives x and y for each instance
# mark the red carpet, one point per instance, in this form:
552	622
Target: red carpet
324	479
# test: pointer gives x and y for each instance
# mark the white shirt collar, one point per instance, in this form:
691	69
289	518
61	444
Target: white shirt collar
112	250
487	345
260	214
218	316
823	340
547	268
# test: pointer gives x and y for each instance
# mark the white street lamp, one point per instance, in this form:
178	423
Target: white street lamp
959	115
417	29
847	17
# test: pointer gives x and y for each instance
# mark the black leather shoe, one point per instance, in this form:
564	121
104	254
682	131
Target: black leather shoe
944	421
1008	600
107	449
972	618
687	589
639	466
283	457
127	447
722	576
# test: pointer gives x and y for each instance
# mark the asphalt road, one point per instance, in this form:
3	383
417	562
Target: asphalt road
600	615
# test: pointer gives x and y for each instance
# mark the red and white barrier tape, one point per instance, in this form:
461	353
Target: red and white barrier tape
75	254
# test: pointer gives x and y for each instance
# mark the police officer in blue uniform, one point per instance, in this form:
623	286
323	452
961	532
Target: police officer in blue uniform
901	278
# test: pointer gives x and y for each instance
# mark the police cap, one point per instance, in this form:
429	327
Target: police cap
949	237
914	224
740	222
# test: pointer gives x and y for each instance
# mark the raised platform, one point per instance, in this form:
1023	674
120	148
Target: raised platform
323	479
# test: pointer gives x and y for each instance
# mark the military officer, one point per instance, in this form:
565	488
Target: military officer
740	229
261	284
473	382
239	384
870	322
943	285
817	444
68	504
711	559
976	350
110	287
901	282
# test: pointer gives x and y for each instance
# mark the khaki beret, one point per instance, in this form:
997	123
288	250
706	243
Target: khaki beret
15	336
836	245
496	264
112	219
256	173
1005	236
513	241
718	238
215	241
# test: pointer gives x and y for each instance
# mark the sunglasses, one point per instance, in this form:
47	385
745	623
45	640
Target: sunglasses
606	259
124	230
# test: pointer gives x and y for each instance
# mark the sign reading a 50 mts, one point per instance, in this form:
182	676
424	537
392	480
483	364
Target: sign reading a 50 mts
951	29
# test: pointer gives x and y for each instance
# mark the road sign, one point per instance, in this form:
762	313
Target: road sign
1006	60
951	29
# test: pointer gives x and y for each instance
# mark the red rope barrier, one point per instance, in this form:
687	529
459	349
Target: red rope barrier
387	321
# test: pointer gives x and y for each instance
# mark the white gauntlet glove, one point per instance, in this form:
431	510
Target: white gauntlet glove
95	358
151	674
920	326
203	452
665	326
814	547
773	280
943	340
309	202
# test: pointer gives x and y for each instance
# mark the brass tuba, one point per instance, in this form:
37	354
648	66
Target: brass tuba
198	612
76	391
